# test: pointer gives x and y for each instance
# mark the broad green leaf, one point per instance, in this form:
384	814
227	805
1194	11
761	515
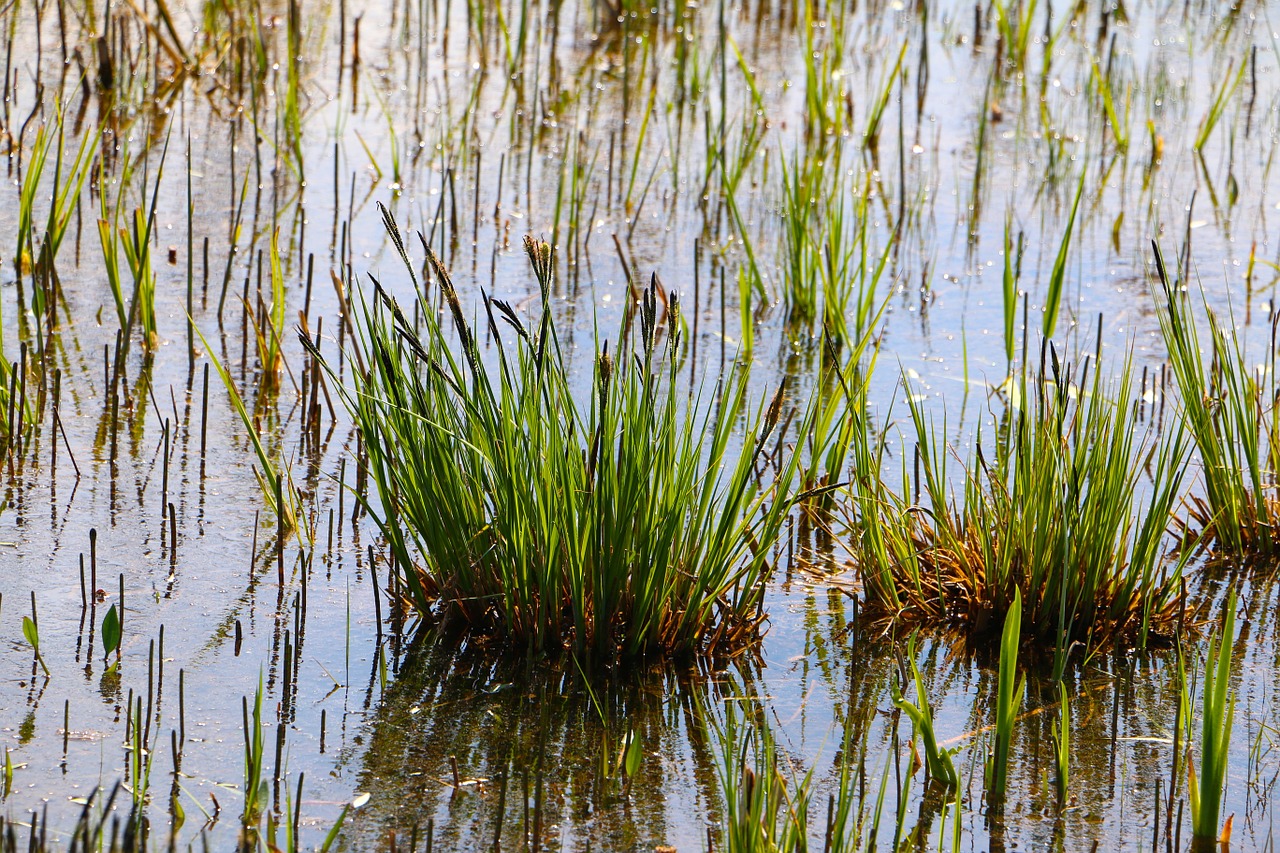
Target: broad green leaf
111	631
30	631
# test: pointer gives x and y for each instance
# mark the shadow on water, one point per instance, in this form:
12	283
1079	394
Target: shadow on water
478	752
474	752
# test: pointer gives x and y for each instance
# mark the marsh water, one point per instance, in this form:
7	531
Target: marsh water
654	136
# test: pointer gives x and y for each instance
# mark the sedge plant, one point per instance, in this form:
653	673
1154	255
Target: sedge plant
1227	408
268	328
769	802
1046	507
763	808
64	195
614	526
132	242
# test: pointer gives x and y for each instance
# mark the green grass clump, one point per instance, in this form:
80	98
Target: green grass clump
135	243
1047	511
765	808
611	519
771	803
830	272
1228	409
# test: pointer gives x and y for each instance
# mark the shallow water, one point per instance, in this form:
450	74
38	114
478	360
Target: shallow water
483	155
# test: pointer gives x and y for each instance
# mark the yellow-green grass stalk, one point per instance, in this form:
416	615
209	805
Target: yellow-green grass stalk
132	242
1058	275
832	424
1014	20
1230	82
267	330
275	481
801	187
